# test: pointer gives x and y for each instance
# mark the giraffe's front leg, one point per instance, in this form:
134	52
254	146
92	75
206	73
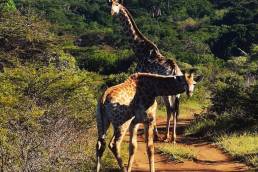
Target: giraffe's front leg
174	127
152	112
132	145
149	141
156	136
167	137
167	101
175	116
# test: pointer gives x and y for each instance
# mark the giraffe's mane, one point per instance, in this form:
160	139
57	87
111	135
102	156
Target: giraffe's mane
138	30
138	75
158	57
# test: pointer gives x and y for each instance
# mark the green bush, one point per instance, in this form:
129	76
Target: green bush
103	60
36	104
234	101
46	104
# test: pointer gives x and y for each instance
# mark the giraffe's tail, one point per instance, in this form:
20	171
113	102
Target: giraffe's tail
102	126
102	120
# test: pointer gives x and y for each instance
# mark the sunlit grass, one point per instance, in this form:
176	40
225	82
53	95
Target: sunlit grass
176	152
190	107
241	147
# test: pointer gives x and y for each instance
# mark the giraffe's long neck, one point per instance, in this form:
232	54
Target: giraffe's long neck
158	85
138	41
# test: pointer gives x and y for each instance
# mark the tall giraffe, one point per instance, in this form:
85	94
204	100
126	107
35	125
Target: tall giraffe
149	60
133	102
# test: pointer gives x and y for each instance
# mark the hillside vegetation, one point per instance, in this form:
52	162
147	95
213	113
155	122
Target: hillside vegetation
59	55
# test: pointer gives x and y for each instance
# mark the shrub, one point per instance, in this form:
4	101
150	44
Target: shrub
46	103
103	60
42	109
188	24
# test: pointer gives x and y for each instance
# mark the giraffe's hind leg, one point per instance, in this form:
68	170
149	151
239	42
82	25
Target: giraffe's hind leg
132	145
149	144
115	143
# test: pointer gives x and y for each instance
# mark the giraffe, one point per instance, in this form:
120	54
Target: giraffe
133	102
150	60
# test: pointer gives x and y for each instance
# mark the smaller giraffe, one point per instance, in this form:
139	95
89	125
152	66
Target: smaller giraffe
133	102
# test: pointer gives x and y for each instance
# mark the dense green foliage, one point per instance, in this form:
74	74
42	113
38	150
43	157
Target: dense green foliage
186	28
234	110
45	101
54	51
234	100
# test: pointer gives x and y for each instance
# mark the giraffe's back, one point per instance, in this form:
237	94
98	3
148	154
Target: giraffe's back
116	102
161	67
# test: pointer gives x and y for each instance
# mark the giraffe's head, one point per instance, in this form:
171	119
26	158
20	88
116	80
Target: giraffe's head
191	81
115	6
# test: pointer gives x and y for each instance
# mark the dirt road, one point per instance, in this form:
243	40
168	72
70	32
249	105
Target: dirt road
209	157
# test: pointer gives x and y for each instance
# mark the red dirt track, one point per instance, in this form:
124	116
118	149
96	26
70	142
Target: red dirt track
209	157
